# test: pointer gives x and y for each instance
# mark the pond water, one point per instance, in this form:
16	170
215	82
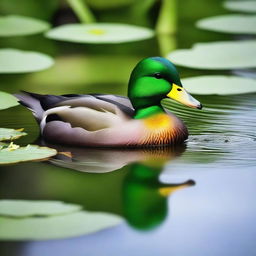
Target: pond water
195	199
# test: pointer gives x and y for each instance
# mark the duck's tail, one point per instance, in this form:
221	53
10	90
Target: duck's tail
32	102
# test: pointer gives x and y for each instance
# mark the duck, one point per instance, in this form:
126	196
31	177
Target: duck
103	120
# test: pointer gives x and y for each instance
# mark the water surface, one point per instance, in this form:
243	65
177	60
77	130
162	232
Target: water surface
196	199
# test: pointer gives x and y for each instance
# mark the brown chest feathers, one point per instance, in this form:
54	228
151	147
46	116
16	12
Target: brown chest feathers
163	129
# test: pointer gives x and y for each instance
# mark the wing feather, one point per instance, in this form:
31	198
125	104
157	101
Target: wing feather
87	118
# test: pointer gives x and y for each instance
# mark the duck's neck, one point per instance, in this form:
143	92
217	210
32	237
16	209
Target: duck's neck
148	111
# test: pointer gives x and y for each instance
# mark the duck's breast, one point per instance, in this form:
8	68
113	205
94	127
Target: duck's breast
163	129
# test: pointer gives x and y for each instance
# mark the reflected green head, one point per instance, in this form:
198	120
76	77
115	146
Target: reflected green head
151	80
144	207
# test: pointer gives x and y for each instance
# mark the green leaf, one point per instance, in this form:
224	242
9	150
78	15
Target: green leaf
100	33
14	25
11	134
25	208
17	61
233	24
56	227
7	100
243	6
220	85
16	154
217	55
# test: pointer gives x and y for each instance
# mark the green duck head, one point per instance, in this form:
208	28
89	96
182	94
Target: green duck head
152	80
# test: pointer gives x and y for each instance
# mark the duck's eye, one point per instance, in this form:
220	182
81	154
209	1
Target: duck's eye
178	89
158	76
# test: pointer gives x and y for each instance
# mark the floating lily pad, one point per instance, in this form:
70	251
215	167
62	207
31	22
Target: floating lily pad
243	6
221	85
24	208
7	100
17	61
55	227
100	33
10	134
217	55
14	25
234	24
16	154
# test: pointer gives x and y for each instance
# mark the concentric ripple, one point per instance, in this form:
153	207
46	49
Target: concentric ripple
223	132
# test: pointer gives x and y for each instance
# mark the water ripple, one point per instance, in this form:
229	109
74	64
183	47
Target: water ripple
223	132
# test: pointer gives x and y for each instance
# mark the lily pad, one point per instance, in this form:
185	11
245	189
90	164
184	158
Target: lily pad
17	61
242	6
217	55
7	100
220	85
14	25
55	227
11	134
16	154
100	33
233	24
25	208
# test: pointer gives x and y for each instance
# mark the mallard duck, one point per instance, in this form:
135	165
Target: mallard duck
101	120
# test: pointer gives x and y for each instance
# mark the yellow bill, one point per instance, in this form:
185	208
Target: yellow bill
179	94
168	190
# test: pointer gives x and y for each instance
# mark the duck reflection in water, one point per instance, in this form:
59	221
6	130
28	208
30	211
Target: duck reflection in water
144	199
